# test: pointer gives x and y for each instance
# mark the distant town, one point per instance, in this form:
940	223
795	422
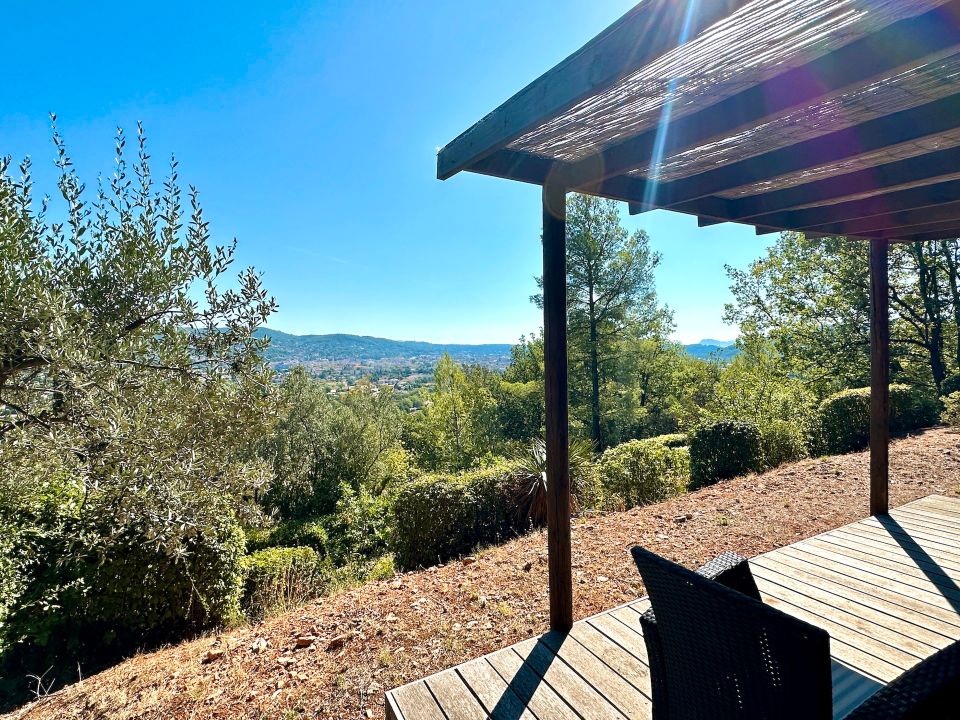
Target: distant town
342	359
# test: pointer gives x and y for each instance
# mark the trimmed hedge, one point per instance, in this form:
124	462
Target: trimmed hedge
640	472
724	449
280	578
105	605
437	517
290	533
782	442
843	419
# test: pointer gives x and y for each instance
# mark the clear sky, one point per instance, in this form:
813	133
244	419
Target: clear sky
311	130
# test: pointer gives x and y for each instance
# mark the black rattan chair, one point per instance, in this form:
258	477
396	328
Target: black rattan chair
717	651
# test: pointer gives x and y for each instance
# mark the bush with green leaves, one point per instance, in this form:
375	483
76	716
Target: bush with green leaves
782	442
278	579
843	419
950	385
438	517
724	449
951	410
672	440
640	472
310	533
100	604
323	446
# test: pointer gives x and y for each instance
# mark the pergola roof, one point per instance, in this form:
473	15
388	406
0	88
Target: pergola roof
826	116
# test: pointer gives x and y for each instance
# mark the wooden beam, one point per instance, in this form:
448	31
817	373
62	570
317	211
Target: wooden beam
934	169
896	232
942	234
652	29
900	46
881	204
556	398
929	214
879	378
933	118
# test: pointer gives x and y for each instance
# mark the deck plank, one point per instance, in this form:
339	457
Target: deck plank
859	618
912	576
541	698
621	694
565	681
615	657
497	698
415	702
908	612
888	594
454	697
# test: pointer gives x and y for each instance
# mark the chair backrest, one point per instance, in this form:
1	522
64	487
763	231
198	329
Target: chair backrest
726	655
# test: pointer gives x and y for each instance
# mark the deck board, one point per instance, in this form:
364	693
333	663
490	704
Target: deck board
887	590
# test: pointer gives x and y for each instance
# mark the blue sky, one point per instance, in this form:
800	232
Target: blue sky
311	129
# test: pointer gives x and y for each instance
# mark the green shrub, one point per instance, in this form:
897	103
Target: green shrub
843	419
673	440
102	606
437	517
950	385
724	449
782	442
359	528
257	538
951	410
640	472
280	578
587	488
301	533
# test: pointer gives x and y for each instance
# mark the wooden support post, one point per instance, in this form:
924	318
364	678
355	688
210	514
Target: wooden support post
555	386
879	378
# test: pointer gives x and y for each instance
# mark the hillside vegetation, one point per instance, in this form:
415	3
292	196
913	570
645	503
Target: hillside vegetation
369	639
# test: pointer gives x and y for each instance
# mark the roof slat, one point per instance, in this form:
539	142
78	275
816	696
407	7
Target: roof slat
933	118
603	61
897	47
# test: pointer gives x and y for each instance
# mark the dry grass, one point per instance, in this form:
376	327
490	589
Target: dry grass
386	633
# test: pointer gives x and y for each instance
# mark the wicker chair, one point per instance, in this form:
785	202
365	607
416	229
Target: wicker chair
716	651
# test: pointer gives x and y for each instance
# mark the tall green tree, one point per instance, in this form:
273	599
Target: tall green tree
457	425
610	291
324	445
810	296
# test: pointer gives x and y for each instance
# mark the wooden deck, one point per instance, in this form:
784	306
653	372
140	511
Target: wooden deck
886	589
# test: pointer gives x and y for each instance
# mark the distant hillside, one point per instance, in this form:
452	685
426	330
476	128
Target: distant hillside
381	353
708	349
286	348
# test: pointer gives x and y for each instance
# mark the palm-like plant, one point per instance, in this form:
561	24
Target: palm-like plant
528	487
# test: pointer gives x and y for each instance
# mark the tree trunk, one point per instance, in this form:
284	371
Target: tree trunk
949	252
596	431
932	309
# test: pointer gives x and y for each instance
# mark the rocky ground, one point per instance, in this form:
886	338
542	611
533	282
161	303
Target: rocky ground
335	658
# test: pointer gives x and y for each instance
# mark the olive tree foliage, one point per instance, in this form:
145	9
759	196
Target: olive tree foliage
129	373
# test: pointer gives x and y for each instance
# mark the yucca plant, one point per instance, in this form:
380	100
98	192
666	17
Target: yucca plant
528	488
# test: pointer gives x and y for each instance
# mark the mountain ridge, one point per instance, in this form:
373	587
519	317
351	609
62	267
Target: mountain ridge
288	348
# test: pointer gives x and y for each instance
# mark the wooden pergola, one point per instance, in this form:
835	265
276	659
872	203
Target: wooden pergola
829	117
